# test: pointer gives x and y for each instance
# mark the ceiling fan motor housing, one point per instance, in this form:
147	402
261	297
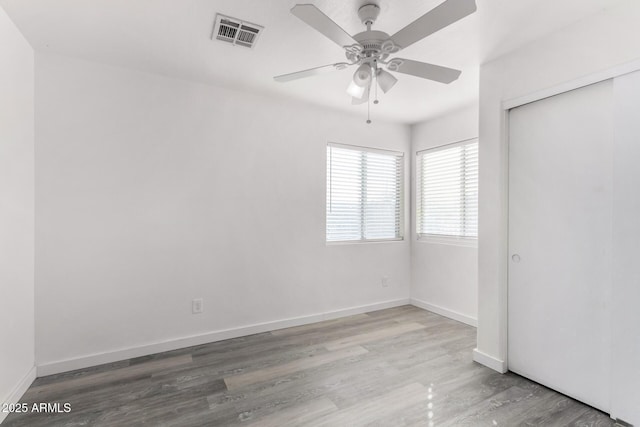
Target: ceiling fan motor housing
372	46
369	13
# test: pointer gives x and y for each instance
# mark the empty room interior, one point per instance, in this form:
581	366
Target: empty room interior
319	213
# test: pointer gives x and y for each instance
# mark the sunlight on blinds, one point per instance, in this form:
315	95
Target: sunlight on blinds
447	193
364	194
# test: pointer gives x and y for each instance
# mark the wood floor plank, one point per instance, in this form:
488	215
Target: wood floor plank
243	351
298	415
328	381
240	362
64	376
370	410
554	408
241	380
120	374
372	336
263	399
396	367
591	418
320	326
489	411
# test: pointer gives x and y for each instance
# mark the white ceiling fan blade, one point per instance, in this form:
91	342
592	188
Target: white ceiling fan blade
310	72
436	19
424	70
322	23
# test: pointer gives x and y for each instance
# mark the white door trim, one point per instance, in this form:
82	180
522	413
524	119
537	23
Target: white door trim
617	71
507	105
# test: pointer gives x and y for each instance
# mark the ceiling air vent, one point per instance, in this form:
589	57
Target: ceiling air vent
235	31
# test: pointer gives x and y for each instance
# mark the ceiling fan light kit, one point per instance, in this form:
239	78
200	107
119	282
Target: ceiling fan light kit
356	91
386	80
362	76
370	50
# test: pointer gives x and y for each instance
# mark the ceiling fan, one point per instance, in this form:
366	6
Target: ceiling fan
370	50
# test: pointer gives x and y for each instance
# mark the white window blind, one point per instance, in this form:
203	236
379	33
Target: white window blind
447	193
364	194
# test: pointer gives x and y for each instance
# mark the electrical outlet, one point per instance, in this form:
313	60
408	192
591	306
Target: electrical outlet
385	281
196	306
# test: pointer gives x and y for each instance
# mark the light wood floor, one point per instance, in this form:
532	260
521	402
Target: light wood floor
396	367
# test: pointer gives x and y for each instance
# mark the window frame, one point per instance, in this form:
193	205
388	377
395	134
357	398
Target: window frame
465	241
401	226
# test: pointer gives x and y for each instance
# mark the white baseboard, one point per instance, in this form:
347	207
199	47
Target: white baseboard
489	361
478	356
451	314
174	344
18	391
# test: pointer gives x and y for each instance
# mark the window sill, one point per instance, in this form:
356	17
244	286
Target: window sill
449	240
360	242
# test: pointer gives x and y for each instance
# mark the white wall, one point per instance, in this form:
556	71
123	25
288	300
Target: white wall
592	45
153	191
444	277
16	212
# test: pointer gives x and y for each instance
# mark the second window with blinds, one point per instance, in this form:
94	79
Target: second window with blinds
447	192
364	194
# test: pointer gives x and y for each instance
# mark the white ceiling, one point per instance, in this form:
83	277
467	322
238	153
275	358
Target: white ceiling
172	37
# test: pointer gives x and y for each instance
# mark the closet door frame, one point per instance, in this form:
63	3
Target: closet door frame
503	266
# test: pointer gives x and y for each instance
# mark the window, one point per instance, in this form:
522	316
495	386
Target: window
364	194
447	191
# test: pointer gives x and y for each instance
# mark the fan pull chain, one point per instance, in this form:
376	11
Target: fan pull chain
369	108
375	101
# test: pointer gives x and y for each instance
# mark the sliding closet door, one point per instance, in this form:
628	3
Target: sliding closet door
560	242
625	402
